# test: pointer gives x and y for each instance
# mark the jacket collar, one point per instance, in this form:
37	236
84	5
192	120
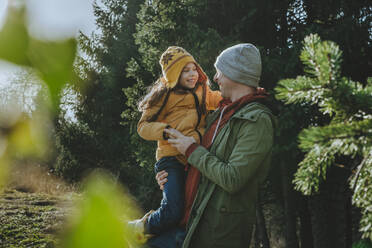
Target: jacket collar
252	111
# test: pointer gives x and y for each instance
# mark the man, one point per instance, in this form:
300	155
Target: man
234	156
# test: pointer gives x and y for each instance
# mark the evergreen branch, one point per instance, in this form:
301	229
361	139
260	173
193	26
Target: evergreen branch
301	89
308	53
357	133
362	185
360	167
334	94
350	97
313	169
349	132
323	144
321	59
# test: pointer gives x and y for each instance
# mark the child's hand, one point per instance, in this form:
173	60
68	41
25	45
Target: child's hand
178	140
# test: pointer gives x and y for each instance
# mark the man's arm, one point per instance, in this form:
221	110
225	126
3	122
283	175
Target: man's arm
253	144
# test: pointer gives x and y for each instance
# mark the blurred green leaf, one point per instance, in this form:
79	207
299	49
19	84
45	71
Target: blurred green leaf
54	61
4	170
26	139
14	38
102	214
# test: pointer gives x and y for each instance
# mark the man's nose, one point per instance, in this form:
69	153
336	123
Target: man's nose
215	77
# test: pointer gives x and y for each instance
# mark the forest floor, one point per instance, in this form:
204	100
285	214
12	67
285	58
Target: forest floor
31	219
33	208
35	205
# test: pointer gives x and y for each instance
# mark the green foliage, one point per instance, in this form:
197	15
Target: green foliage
97	139
161	24
122	60
53	61
165	23
363	244
77	136
101	217
29	219
362	185
14	41
343	22
323	144
322	60
324	86
205	28
349	132
4	172
22	137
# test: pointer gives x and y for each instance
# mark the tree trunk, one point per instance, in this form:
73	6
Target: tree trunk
329	211
289	208
319	223
261	238
306	235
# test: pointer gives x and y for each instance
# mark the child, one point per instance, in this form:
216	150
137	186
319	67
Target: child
180	99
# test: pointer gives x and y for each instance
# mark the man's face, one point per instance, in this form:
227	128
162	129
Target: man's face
226	84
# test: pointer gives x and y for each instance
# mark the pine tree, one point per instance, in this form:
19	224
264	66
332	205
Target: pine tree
164	23
97	139
348	134
340	22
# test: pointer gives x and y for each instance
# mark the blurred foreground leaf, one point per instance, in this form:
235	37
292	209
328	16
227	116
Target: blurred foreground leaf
4	170
26	139
21	137
101	217
14	38
53	60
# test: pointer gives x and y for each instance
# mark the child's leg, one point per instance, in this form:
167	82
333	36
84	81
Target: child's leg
172	238
170	212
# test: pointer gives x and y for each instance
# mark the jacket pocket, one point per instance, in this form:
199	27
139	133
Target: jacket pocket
229	229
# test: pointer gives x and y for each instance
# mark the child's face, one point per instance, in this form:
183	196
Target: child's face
189	76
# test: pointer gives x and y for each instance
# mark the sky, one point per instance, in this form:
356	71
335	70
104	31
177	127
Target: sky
50	20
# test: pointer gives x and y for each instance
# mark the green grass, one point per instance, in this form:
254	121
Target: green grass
31	219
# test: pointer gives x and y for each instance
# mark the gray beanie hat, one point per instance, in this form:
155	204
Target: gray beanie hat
241	63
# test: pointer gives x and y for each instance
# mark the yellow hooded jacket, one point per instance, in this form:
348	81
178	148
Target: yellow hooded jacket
180	113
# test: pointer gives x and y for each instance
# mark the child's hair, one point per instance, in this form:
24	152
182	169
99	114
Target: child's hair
154	93
158	90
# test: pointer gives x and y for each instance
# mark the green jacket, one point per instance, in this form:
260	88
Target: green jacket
224	210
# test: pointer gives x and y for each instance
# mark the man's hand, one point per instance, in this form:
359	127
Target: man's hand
161	178
178	140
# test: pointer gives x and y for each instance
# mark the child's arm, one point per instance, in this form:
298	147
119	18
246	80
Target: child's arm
151	130
213	98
